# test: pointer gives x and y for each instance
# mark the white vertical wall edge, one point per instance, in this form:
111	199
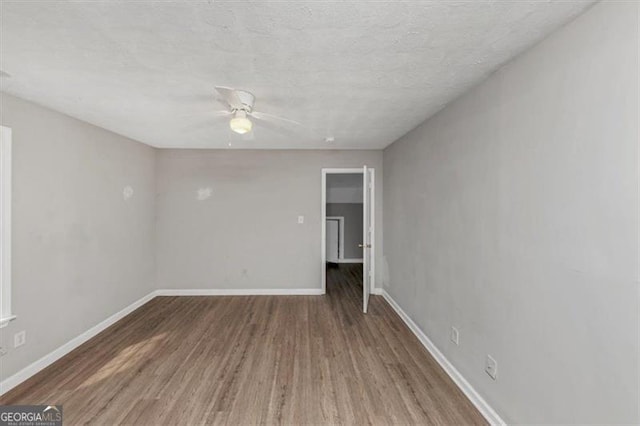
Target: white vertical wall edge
340	220
22	375
485	409
372	226
5	218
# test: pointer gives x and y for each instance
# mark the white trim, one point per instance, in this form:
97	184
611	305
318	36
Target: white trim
5	223
5	321
323	231
348	170
366	239
340	220
22	375
483	406
372	225
348	261
240	292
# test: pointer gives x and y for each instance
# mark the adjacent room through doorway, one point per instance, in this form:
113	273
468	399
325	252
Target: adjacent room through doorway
348	232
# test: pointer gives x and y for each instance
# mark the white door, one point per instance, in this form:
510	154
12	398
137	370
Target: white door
333	240
367	236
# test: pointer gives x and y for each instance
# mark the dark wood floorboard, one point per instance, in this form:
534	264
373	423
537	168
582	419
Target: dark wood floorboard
254	360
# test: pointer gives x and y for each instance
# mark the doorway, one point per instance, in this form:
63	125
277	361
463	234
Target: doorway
348	225
335	239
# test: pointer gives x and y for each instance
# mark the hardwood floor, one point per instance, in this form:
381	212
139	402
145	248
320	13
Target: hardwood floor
254	359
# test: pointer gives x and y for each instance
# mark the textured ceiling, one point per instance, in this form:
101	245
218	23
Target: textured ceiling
363	72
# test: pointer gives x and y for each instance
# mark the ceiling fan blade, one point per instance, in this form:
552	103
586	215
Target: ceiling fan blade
222	101
222	113
273	118
230	95
277	128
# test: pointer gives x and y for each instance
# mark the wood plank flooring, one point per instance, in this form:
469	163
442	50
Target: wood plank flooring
254	360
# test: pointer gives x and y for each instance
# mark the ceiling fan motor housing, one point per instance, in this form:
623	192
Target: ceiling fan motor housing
247	100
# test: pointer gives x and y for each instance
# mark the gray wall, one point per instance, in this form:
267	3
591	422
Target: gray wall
513	215
80	252
246	235
353	225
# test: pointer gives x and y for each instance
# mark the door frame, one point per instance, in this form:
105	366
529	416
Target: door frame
340	220
323	222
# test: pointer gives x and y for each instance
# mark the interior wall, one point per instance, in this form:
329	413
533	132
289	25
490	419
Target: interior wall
228	219
344	195
353	224
81	252
344	188
513	215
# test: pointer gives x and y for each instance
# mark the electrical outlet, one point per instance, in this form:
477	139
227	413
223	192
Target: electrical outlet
19	339
455	335
300	219
491	367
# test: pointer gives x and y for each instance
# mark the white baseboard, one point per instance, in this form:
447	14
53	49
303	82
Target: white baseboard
347	261
10	382
485	409
241	292
377	291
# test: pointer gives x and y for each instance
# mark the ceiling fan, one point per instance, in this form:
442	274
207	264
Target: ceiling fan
240	106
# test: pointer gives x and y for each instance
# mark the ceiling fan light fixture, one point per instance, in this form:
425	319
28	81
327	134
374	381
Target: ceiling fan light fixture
240	123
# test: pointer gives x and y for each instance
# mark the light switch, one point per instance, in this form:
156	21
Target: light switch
300	219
